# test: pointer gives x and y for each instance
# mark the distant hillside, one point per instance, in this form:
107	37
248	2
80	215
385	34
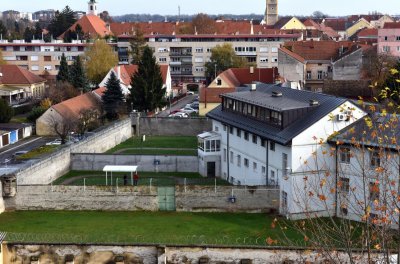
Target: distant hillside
173	18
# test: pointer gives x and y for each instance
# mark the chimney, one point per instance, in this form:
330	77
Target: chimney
119	72
251	69
277	94
314	103
251	27
253	87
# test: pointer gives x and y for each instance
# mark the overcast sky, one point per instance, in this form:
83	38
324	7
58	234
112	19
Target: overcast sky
170	7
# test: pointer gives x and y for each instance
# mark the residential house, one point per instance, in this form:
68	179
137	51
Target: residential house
380	23
389	39
287	23
367	35
93	27
18	84
338	24
229	80
357	26
12	133
67	113
270	135
309	63
125	72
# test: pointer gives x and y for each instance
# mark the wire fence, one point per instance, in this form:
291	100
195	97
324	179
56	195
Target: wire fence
145	181
204	240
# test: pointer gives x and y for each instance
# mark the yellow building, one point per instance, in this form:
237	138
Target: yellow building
360	24
18	84
290	23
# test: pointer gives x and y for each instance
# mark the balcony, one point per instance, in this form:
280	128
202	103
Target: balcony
175	63
180	54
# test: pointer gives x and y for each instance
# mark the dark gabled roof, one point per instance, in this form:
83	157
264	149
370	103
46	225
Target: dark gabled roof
12	126
360	132
284	136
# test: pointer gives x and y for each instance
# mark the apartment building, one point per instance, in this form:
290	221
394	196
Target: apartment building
188	54
389	39
40	57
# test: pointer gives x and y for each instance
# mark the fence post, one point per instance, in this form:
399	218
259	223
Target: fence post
185	183
116	183
151	179
215	185
84	184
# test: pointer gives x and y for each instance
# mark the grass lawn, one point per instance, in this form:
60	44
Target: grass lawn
38	152
19	119
160	143
158	179
141	227
177	152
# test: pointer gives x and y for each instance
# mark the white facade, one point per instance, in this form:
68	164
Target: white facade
92	7
296	168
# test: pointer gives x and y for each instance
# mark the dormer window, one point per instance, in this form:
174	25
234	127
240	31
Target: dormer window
219	82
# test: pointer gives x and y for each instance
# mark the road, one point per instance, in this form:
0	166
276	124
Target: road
180	104
7	164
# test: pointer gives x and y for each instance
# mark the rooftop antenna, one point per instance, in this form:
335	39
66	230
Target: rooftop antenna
179	13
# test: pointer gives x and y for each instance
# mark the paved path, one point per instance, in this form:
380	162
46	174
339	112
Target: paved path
178	180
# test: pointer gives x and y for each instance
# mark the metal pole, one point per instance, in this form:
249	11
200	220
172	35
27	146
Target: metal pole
116	183
106	179
215	185
185	184
150	183
132	178
111	179
84	184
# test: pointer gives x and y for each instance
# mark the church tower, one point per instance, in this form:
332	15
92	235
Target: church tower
271	12
92	7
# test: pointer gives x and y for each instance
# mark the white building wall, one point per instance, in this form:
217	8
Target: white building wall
304	163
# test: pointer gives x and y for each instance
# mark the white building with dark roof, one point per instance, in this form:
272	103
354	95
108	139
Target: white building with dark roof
270	135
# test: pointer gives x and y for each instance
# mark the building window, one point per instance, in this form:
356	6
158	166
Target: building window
162	59
47	68
198	59
398	38
238	132
34	67
246	136
225	152
216	129
375	159
274	49
320	74
272	146
224	127
344	211
344	185
274	59
373	191
199	50
239	161
263	170
254	166
263	49
385	38
263	59
199	69
308	75
219	82
231	156
284	164
386	48
345	155
34	58
284	201
254	139
246	163
47	58
231	130
263	142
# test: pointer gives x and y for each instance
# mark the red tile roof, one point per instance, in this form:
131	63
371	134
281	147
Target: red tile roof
99	91
311	23
337	24
368	32
126	71
13	74
71	108
391	25
92	25
317	50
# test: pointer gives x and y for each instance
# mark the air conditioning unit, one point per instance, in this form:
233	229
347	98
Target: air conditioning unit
342	117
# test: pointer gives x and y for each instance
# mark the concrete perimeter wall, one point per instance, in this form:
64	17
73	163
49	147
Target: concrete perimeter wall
58	164
129	198
2	206
22	253
159	126
145	162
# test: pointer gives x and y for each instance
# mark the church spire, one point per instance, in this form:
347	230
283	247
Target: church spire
92	7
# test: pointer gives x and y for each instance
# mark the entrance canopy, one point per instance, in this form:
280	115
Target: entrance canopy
119	168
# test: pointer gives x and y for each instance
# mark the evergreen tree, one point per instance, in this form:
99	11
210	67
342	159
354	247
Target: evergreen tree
113	99
38	31
6	112
137	45
78	76
63	73
28	34
147	92
61	22
3	30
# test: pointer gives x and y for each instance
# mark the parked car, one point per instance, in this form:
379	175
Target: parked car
195	105
190	93
54	142
179	115
189	110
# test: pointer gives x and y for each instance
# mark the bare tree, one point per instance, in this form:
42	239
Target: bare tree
61	91
88	119
62	126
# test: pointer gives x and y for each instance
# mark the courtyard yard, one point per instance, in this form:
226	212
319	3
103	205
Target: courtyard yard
140	227
97	178
158	145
